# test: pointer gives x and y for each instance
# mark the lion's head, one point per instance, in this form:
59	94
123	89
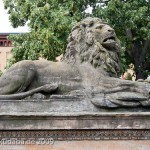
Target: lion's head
96	42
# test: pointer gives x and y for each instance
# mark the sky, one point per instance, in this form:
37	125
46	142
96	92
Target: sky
5	25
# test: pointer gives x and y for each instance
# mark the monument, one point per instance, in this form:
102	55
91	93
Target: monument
79	98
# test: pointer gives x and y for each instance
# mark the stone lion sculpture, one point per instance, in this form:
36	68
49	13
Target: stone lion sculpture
89	69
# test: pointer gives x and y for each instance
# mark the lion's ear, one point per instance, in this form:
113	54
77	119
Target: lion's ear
75	27
89	38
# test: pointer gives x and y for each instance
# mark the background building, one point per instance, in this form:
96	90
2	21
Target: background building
5	49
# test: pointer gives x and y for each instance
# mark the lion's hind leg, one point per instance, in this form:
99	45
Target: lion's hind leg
17	78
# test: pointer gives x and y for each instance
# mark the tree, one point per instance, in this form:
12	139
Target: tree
50	22
131	21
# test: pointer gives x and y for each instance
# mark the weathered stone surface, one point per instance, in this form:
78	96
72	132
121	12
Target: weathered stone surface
33	115
86	73
43	99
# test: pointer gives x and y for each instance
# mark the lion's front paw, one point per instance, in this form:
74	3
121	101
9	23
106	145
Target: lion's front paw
103	103
100	100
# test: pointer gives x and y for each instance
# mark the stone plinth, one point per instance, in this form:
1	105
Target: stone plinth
36	121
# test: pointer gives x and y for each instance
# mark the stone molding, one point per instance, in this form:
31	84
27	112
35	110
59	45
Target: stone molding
67	135
57	121
18	122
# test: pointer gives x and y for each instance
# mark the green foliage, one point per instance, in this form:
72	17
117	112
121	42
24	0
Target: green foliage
125	60
131	14
50	23
131	21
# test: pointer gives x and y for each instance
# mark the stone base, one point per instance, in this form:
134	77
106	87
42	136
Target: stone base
33	129
84	145
75	140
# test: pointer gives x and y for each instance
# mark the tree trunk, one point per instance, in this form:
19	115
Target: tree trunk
140	59
137	51
140	73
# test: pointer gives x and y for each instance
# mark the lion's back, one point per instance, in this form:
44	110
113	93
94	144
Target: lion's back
48	72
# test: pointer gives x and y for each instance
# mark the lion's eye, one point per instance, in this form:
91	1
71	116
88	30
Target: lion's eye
84	25
100	27
91	24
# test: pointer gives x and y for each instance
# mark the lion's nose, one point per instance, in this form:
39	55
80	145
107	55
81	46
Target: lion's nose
111	30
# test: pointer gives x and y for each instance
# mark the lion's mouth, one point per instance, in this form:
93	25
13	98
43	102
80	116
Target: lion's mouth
109	41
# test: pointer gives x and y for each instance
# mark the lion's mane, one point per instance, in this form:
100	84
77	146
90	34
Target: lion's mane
83	43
